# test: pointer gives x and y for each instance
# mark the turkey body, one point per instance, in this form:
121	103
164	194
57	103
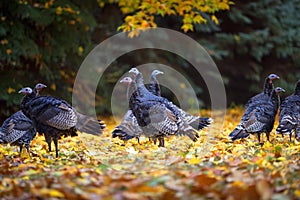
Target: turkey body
261	118
18	129
156	116
253	103
289	116
56	118
196	122
129	127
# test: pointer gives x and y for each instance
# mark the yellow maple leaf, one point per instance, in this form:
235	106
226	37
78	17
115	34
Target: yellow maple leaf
10	90
297	193
267	144
59	10
215	19
194	161
53	86
51	192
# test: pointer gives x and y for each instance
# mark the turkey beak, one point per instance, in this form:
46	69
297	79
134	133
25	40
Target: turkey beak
43	86
133	71
40	86
274	77
23	90
279	90
124	81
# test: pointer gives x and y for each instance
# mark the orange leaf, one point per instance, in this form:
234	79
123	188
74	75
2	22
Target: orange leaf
264	190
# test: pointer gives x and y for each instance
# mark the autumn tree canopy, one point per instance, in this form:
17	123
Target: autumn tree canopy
141	14
51	38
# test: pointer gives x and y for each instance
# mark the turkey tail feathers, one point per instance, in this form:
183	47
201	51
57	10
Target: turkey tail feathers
238	133
201	123
89	125
192	134
1	137
287	125
118	132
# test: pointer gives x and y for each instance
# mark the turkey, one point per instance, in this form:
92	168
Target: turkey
253	102
18	129
56	118
154	88
129	128
289	117
157	116
132	86
260	119
195	121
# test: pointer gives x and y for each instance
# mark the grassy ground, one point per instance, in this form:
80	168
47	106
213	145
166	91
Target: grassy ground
104	168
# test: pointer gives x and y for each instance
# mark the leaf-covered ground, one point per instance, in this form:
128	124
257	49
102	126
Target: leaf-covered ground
101	168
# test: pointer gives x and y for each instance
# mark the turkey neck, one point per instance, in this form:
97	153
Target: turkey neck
141	89
297	89
153	80
275	98
25	100
36	92
131	90
154	86
268	86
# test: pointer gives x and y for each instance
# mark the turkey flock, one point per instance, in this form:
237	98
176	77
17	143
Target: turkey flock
260	113
149	115
46	115
152	115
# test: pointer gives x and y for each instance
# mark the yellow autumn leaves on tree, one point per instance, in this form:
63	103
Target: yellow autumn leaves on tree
140	14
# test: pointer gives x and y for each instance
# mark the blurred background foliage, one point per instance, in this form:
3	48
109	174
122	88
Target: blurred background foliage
46	41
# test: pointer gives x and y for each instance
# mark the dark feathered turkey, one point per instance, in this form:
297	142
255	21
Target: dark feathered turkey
157	116
195	121
129	128
289	117
18	129
253	103
56	118
261	119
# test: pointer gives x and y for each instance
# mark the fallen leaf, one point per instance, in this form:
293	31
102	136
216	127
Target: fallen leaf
51	193
194	161
264	189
